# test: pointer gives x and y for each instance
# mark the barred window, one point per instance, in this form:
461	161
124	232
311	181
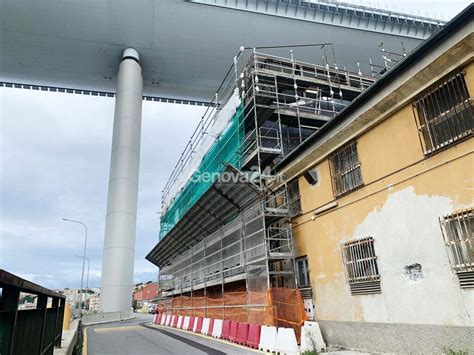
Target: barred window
294	198
458	233
361	266
444	113
303	272
345	169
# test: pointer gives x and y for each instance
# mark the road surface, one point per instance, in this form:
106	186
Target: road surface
134	337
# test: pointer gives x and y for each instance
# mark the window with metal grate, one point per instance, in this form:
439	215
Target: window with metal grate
361	268
302	272
444	113
458	234
345	169
294	198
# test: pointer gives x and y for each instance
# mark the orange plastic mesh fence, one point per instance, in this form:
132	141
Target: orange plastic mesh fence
289	308
277	306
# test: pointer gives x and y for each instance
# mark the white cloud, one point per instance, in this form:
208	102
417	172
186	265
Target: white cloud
55	156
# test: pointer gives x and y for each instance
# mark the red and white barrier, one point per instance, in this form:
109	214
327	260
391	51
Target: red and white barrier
311	336
268	338
286	342
158	318
186	323
205	326
253	338
233	331
242	333
225	329
191	323
211	327
264	338
197	325
217	329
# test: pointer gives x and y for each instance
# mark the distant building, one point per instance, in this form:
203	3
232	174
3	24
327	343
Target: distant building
145	293
94	302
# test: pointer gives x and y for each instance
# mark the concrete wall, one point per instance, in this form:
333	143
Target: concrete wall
403	196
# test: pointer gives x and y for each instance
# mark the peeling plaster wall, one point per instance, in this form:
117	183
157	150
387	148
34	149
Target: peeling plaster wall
403	196
406	231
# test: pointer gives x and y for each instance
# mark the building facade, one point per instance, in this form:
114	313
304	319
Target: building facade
384	232
333	196
145	293
94	302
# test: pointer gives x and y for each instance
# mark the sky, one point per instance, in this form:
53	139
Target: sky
54	164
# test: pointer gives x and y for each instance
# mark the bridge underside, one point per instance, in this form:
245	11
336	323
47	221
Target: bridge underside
78	44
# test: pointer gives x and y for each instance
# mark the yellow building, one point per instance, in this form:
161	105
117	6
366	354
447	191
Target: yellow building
385	230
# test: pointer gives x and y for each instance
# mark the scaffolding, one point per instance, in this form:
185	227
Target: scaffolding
226	247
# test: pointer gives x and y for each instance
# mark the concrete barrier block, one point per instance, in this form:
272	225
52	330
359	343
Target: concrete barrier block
217	328
179	325
253	338
185	323
205	326
311	337
174	321
163	319
168	320
268	338
286	343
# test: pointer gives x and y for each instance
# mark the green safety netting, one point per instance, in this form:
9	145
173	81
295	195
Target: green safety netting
224	151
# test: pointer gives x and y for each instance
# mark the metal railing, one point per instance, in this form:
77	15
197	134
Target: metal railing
29	331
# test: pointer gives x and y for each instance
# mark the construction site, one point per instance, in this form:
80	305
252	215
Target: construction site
226	248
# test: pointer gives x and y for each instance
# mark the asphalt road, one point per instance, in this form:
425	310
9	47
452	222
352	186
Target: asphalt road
134	337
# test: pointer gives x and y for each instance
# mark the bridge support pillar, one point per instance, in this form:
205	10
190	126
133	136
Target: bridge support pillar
121	218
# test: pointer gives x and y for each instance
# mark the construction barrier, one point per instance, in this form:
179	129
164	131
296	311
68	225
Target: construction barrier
225	329
277	306
253	338
271	339
217	329
198	325
311	337
185	323
242	333
286	342
191	323
205	326
211	327
268	339
233	331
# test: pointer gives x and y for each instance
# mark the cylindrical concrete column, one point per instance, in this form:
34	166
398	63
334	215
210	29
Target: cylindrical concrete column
121	219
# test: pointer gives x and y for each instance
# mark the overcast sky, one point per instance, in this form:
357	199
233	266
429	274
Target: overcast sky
55	156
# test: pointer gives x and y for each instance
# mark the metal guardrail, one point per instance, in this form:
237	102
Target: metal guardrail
29	331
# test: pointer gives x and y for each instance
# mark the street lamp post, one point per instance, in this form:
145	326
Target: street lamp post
83	261
88	270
